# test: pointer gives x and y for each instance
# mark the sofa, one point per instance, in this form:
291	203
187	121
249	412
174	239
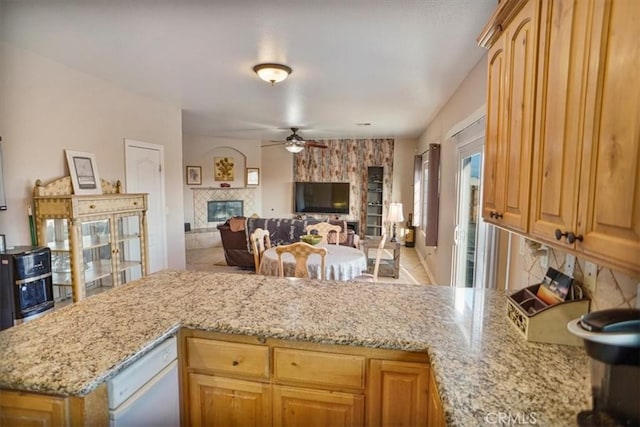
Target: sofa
235	231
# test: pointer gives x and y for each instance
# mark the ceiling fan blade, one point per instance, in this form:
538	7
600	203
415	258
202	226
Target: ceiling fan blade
317	144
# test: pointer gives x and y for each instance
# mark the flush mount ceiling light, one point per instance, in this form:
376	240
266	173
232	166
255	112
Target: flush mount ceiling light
273	73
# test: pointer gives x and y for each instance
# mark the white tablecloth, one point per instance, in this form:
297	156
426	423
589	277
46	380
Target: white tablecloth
341	263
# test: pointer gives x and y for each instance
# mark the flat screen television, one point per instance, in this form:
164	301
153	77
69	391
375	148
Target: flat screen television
321	197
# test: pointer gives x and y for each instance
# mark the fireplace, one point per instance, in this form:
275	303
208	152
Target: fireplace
221	210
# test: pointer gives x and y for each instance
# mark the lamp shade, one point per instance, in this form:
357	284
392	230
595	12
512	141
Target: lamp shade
395	213
273	73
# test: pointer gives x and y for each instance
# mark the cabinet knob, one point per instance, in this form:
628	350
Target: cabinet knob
496	215
559	234
235	363
92	206
135	203
571	237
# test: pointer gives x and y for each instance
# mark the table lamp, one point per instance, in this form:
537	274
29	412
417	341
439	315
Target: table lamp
395	216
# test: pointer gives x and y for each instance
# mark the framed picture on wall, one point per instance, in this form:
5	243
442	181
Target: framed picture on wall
223	167
253	176
84	172
194	175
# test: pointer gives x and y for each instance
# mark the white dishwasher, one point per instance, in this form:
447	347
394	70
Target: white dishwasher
146	393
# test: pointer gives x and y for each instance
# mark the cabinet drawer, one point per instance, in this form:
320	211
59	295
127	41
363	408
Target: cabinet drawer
310	367
230	358
91	206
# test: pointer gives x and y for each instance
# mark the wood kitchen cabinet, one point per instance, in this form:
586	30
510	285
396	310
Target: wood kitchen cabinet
398	393
586	185
220	402
97	242
35	409
241	380
435	412
511	78
300	407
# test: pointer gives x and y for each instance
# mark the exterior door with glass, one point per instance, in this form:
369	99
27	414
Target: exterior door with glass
473	250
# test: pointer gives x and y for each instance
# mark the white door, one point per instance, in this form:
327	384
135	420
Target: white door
145	174
473	257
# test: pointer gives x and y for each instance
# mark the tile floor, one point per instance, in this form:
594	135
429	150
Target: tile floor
212	259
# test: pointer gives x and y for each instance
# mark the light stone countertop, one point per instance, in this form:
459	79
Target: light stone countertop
483	368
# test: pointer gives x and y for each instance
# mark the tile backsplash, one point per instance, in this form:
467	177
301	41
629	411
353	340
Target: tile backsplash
613	289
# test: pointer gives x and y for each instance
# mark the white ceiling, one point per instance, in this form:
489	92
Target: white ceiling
391	63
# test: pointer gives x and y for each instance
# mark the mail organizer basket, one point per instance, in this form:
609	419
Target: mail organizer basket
541	322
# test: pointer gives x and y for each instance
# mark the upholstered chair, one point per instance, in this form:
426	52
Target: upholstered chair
301	252
323	229
260	242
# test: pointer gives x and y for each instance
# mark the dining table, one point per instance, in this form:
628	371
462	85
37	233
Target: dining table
341	263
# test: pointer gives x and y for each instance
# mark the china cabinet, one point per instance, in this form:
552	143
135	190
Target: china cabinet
97	242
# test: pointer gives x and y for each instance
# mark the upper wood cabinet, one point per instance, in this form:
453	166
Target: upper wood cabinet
510	117
586	183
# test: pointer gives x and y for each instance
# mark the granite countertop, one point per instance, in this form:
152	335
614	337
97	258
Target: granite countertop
483	368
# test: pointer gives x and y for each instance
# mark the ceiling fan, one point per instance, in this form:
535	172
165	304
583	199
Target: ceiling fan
294	143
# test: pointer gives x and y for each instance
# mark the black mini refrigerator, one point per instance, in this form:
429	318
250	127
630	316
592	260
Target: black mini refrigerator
26	286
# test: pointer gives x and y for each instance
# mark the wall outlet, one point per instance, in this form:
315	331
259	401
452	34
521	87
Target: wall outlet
569	265
590	275
544	260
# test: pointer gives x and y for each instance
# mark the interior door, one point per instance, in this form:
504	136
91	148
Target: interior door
145	174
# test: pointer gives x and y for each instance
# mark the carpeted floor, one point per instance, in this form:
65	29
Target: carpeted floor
212	259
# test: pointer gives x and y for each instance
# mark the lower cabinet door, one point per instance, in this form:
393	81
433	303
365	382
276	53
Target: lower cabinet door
216	401
303	407
37	410
435	413
398	393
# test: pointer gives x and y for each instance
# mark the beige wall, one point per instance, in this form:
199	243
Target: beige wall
46	107
201	151
467	100
277	181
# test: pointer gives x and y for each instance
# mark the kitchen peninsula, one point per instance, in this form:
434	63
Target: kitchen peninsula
484	371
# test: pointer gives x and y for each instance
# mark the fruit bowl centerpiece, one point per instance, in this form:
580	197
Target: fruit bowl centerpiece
312	239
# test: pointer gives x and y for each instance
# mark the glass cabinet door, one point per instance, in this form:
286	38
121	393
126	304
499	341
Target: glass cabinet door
129	249
96	255
56	235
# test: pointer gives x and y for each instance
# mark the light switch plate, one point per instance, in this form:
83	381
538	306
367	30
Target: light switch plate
569	265
590	275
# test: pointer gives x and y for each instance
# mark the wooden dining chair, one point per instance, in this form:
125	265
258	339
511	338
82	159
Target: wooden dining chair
260	242
301	252
368	277
323	229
